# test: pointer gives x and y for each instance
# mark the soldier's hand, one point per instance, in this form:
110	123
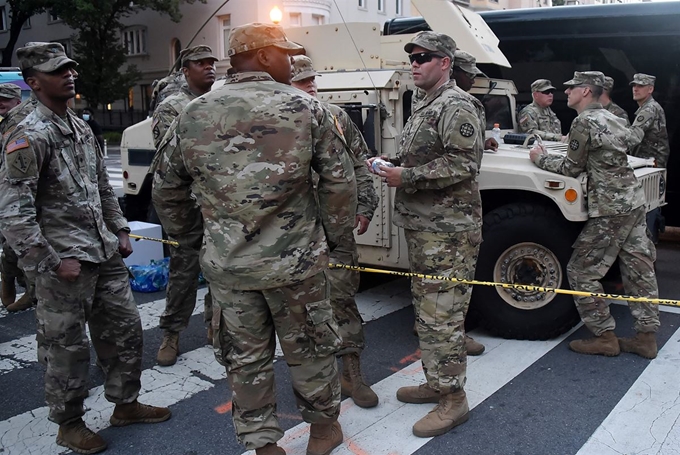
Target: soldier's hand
69	269
565	138
124	245
391	175
363	223
536	151
369	162
491	144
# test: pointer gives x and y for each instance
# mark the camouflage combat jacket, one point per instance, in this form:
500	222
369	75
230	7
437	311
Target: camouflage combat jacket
540	120
439	149
618	111
55	198
650	137
248	149
598	146
166	112
13	118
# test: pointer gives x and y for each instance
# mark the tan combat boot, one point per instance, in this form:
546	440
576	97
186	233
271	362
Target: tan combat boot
9	290
270	449
25	302
606	344
353	385
169	350
451	411
77	437
136	412
422	393
473	347
642	344
323	438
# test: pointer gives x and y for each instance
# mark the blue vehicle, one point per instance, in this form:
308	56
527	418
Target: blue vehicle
13	76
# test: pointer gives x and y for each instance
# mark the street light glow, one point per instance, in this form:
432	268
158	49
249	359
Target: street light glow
276	15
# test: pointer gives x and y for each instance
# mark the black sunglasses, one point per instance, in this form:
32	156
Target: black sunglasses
423	57
548	92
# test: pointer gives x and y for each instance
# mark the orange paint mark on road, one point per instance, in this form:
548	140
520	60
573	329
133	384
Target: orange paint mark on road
223	408
354	448
411	357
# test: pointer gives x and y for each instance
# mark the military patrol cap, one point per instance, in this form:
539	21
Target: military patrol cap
43	57
303	68
433	42
595	78
608	83
466	62
255	35
10	91
541	85
643	79
195	53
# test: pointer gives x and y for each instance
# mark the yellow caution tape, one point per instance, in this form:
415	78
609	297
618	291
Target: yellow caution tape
519	287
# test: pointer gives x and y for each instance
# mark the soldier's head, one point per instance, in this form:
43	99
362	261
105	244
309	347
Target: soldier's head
543	92
48	71
465	69
10	96
607	90
198	66
643	87
304	75
584	88
431	56
263	47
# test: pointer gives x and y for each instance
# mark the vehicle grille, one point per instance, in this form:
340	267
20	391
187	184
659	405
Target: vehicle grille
655	191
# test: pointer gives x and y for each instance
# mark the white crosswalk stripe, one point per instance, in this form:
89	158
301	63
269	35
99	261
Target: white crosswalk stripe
644	420
115	172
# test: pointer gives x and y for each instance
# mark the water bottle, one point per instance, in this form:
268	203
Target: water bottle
496	132
380	162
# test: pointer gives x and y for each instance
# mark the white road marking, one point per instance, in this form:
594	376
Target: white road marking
645	421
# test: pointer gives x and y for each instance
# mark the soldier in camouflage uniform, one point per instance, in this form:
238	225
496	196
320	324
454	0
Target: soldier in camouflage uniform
198	65
345	283
616	222
247	149
60	214
10	98
650	137
537	117
611	106
438	204
166	87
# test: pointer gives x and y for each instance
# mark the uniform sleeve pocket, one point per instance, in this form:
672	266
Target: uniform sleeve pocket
322	329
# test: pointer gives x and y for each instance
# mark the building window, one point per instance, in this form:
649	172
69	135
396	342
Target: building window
362	4
225	29
134	40
295	19
319	19
3	19
381	6
398	7
52	18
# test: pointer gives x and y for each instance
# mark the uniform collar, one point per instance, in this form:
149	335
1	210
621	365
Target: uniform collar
451	84
593	106
64	124
250	76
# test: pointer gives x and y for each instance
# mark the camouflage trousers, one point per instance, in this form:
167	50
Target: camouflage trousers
344	286
441	306
597	247
180	296
102	298
302	317
9	266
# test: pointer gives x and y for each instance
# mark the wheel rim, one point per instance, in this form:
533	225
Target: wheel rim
531	264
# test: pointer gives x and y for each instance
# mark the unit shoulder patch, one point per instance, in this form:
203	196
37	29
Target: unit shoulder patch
467	130
574	144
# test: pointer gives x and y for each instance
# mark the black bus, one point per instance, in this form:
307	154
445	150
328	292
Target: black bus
617	39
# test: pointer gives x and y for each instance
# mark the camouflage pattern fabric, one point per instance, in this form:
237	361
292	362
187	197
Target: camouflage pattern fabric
540	120
481	115
618	111
650	133
345	283
184	259
9	266
601	241
61	205
302	317
439	191
166	87
250	167
10	91
101	296
598	146
441	306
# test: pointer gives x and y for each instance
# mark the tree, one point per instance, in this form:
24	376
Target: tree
98	47
19	12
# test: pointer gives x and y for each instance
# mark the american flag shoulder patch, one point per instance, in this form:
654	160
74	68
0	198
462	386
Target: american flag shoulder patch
18	144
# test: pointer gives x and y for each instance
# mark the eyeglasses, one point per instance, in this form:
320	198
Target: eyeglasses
423	57
548	92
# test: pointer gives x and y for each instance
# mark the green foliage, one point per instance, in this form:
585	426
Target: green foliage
19	12
113	137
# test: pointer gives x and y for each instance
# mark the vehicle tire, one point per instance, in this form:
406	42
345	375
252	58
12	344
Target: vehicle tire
525	244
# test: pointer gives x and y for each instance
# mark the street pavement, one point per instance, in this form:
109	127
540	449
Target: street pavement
527	397
114	169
